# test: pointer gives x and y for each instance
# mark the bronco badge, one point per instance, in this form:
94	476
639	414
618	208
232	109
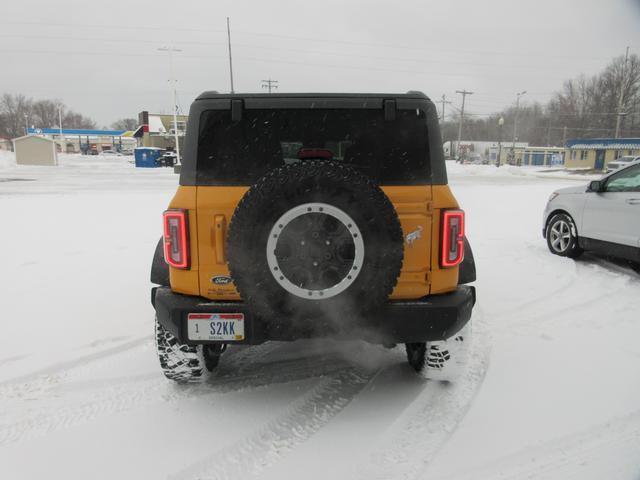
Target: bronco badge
413	236
221	280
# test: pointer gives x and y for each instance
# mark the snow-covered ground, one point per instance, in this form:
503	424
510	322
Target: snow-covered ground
551	391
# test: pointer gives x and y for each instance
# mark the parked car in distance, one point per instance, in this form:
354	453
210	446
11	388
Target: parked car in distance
476	159
168	159
112	153
604	217
621	162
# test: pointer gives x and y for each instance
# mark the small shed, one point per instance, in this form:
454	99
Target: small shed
34	150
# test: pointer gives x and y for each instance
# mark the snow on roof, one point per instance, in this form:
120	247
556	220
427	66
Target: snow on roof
603	143
24	137
605	146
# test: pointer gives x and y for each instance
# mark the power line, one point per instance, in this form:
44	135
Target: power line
527	67
254	59
311	39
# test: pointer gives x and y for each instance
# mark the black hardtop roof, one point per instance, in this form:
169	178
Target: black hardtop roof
209	95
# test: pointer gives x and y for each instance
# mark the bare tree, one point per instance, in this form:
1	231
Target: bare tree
18	111
15	111
586	106
45	113
72	119
125	124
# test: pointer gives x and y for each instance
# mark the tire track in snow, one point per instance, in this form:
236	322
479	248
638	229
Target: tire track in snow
572	299
33	385
117	395
424	428
245	372
610	450
566	285
46	378
301	419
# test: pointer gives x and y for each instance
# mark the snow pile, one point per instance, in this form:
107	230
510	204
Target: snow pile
458	169
7	159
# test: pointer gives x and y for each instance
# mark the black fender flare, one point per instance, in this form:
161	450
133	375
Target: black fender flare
159	268
467	269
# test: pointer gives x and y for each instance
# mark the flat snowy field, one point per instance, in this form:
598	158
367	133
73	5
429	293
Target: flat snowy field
552	389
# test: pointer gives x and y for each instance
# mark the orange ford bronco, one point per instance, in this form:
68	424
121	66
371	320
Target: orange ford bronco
311	215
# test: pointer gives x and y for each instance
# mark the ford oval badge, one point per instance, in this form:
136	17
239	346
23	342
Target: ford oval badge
221	280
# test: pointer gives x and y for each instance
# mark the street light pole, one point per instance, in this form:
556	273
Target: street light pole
173	81
62	142
515	123
500	124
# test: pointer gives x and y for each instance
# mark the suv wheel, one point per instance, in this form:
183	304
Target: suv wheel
184	363
562	236
443	360
315	239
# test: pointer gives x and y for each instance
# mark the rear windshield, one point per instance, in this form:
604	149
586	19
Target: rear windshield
239	153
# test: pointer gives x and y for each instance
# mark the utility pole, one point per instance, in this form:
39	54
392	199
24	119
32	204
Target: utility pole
620	113
464	94
443	102
515	124
500	124
230	61
269	84
63	148
564	143
173	81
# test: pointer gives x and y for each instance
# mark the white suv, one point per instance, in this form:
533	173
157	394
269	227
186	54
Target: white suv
603	217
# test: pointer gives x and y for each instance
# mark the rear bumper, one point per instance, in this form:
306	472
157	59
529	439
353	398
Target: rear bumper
435	317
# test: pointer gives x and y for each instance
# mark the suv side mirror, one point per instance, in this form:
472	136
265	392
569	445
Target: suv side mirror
596	186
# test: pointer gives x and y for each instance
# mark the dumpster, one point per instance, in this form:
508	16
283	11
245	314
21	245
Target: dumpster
147	157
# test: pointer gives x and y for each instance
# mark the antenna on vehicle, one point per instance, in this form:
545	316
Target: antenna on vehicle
230	61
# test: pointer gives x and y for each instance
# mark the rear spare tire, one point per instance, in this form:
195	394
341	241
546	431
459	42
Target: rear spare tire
314	239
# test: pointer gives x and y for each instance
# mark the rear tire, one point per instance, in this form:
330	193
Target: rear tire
184	363
442	360
562	236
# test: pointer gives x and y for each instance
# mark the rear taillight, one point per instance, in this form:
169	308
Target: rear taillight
452	234
176	238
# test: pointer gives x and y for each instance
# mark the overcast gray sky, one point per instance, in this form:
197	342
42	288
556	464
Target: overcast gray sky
101	58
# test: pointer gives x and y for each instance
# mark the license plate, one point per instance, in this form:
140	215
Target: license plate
216	326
